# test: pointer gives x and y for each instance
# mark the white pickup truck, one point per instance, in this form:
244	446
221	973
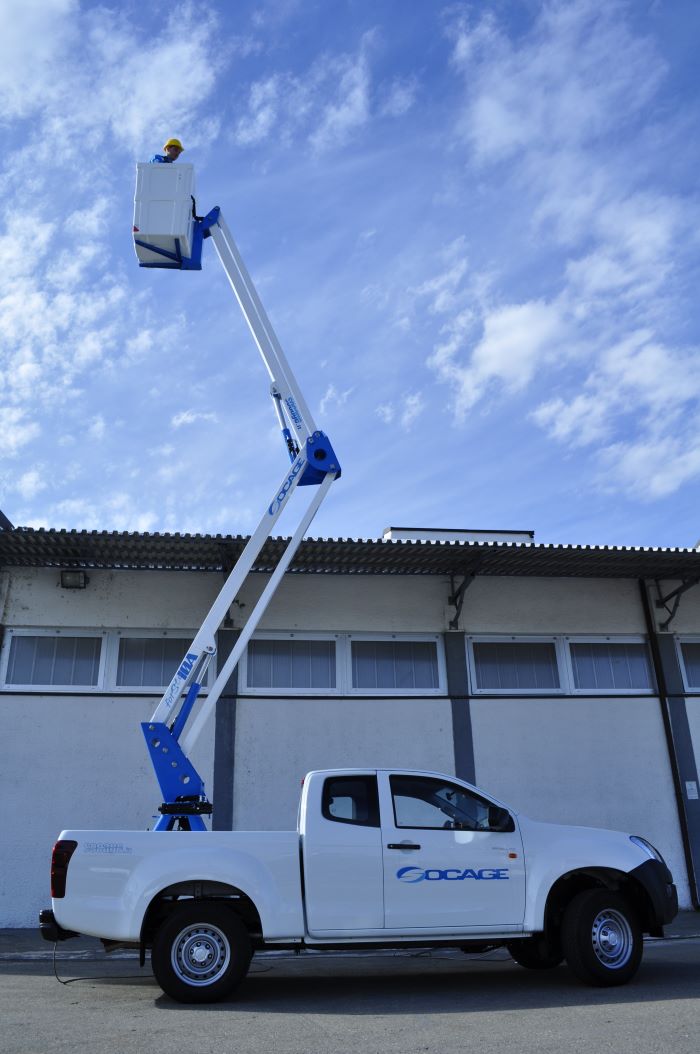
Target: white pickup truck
381	859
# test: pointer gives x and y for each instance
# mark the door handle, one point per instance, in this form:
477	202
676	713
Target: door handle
402	845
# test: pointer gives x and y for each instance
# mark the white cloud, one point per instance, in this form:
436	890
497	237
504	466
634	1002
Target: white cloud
334	397
33	36
191	417
405	411
564	83
97	427
444	290
263	111
560	107
67	315
30	484
653	466
326	105
399	98
413	406
350	108
482	344
90	221
16	430
638	381
580	421
128	83
116	512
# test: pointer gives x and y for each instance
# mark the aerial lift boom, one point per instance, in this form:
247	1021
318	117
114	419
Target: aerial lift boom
313	463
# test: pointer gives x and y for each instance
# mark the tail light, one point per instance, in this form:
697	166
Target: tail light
60	858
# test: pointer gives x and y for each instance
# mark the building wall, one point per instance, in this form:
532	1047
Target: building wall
599	762
552	605
79	760
279	740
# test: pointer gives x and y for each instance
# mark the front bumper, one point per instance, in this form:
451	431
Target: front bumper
657	880
50	930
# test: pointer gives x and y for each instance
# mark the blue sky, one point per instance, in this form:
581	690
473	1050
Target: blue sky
474	226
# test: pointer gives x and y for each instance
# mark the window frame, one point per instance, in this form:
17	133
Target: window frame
46	689
343	670
609	638
446	781
245	690
680	639
374	820
561	642
389	693
112	668
108	665
514	638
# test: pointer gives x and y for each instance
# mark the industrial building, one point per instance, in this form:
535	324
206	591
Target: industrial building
564	680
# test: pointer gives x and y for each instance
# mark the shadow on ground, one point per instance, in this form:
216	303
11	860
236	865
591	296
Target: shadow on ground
405	985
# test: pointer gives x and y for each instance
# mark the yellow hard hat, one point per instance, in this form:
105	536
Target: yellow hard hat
173	142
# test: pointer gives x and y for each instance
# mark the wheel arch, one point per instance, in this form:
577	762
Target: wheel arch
199	891
569	885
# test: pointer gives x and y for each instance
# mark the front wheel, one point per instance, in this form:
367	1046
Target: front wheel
602	938
200	953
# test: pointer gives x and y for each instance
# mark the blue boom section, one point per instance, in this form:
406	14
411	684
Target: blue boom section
184	797
321	460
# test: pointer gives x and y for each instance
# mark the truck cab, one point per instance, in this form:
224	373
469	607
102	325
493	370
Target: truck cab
403	853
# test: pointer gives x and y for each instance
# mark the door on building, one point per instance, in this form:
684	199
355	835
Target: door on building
452	859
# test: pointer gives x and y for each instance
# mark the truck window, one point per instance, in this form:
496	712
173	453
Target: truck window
420	801
351	799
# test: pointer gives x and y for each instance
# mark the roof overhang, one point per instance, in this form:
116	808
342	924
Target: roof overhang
104	550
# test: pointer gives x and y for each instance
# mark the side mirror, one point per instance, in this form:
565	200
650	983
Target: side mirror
500	819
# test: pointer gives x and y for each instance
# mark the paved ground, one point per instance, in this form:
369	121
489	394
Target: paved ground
440	1002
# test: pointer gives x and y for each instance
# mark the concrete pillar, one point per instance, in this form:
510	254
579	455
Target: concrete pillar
458	690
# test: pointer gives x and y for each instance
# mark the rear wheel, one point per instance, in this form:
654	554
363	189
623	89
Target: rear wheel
200	953
535	953
602	938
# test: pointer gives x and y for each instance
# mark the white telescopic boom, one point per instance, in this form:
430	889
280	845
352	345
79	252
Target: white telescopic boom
281	375
314	455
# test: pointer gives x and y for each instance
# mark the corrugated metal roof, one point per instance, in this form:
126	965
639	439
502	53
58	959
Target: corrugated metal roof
27	547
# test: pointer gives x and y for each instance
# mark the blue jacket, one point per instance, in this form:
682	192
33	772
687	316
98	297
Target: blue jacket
161	159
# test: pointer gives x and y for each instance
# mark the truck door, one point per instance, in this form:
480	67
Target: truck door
452	859
343	879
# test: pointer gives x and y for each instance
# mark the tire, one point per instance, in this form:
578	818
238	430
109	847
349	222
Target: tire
200	953
602	938
535	953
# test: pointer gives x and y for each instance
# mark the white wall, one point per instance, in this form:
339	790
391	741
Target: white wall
596	762
128	599
552	605
279	740
343	603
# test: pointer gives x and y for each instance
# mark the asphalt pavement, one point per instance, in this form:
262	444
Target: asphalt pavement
441	1002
